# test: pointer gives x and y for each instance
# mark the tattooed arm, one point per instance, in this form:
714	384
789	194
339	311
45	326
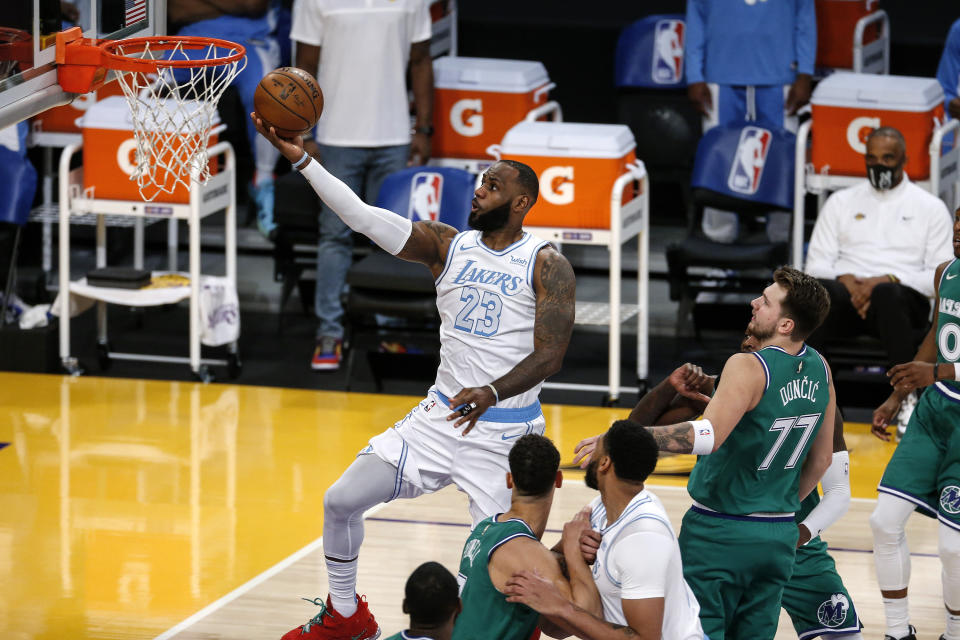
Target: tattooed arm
744	383
555	286
644	617
428	244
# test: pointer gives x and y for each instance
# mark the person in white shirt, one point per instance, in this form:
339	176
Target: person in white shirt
359	50
875	247
637	572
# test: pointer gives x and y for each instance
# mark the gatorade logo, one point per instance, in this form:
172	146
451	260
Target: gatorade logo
471	125
857	131
125	152
556	185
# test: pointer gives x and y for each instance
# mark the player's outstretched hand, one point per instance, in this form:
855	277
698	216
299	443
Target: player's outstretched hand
292	150
535	591
469	405
883	416
583	451
911	375
690	381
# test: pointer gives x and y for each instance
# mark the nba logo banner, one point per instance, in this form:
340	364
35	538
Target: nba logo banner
749	160
426	190
668	51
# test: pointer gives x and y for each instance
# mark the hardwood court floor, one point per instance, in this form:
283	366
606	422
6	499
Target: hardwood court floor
130	509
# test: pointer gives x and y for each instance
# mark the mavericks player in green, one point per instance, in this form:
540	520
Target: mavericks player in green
507	543
765	440
815	597
924	472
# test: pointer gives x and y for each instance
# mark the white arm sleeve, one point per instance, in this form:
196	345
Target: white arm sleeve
836	495
640	560
389	230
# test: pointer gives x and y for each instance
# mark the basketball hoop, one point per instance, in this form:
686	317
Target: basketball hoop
172	85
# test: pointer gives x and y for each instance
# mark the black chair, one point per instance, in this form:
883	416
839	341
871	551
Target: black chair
384	285
295	243
748	170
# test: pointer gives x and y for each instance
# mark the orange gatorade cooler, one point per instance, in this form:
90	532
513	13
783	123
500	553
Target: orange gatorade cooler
577	165
848	106
836	24
63	119
478	99
109	153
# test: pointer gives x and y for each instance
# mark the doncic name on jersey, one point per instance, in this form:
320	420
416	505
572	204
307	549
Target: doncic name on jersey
509	285
802	388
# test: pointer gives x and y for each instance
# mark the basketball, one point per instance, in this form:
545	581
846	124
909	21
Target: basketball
290	100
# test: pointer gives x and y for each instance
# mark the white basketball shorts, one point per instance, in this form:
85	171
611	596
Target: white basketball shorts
430	453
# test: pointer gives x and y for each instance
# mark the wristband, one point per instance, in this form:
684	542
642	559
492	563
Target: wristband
302	162
496	396
702	437
956	370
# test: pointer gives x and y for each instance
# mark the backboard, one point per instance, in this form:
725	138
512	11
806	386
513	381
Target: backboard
28	28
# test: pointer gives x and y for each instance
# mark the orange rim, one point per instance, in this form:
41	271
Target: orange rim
131	46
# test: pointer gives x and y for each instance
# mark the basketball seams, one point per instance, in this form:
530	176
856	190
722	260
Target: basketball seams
302	89
286	108
301	82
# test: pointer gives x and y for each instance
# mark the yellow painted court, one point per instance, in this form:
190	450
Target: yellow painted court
128	506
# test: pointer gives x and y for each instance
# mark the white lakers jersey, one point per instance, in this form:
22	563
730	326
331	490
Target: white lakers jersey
639	558
487	307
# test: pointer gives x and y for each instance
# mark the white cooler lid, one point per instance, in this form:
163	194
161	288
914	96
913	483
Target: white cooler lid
568	139
489	74
114	113
894	93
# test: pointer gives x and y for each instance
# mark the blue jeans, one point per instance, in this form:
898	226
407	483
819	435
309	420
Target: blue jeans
363	170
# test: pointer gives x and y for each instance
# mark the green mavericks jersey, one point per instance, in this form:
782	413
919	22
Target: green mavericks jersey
948	322
486	612
757	468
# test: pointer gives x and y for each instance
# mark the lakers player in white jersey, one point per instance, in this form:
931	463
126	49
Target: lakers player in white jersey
506	303
638	571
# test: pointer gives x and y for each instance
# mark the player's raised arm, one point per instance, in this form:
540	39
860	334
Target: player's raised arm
744	383
424	242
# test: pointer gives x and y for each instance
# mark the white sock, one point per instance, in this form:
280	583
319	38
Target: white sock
343	582
260	176
897	611
953	627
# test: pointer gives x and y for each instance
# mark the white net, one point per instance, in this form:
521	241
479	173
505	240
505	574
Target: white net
174	110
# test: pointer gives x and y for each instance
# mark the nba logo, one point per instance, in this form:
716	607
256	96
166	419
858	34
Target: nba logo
668	51
749	160
425	192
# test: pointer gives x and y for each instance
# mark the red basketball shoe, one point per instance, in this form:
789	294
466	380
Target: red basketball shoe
330	625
